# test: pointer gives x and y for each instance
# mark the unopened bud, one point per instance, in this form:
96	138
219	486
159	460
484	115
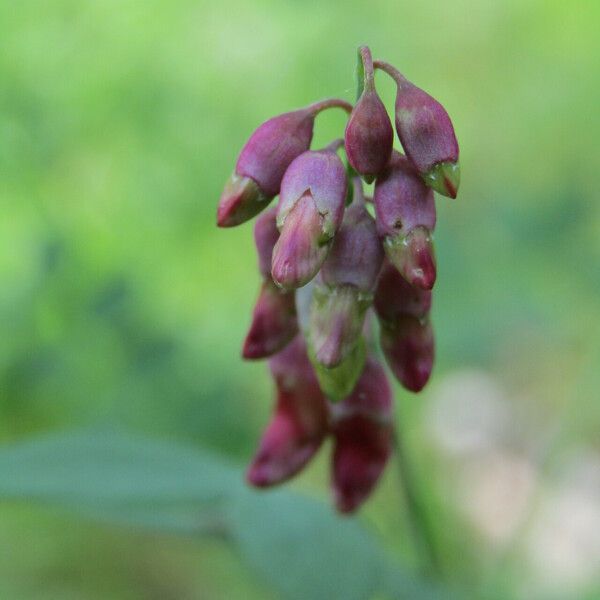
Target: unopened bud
266	235
344	287
300	249
241	200
310	211
363	438
369	135
395	297
299	423
405	215
264	159
427	135
274	322
408	346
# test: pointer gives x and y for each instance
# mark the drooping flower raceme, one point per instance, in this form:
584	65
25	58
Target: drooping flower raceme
327	264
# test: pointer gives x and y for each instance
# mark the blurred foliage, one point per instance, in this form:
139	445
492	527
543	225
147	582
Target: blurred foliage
122	305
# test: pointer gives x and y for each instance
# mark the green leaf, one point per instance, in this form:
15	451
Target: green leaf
304	549
106	467
296	543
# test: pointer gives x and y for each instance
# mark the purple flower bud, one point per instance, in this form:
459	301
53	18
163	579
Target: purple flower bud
406	335
241	200
274	322
264	159
363	438
408	347
299	254
356	255
299	423
427	135
369	135
265	238
344	288
310	211
405	216
395	297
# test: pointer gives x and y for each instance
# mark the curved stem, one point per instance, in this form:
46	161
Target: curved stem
366	75
391	71
317	107
418	522
359	195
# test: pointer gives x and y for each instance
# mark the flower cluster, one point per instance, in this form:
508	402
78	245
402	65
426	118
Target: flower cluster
327	265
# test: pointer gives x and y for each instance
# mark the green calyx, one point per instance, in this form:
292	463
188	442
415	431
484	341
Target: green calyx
444	178
339	382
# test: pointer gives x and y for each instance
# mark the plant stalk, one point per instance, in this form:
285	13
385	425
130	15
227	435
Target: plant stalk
419	524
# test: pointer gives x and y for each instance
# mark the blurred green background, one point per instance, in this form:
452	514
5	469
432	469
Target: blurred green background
122	306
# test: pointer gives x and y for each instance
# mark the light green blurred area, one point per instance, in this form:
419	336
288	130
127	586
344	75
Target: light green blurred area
121	303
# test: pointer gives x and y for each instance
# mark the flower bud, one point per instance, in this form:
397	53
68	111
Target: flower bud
344	287
310	211
264	159
265	238
336	320
405	216
299	422
427	135
338	382
241	200
274	321
406	334
273	324
408	347
363	438
369	135
395	297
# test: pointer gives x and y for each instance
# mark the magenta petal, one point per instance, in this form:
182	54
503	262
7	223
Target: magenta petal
395	297
424	128
363	436
266	235
273	146
408	346
414	257
299	251
402	200
299	423
369	136
241	200
274	322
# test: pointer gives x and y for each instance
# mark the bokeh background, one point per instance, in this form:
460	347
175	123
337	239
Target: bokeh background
122	306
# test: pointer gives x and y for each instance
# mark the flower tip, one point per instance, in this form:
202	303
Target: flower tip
409	349
273	325
299	251
241	200
444	178
257	476
347	501
414	257
369	178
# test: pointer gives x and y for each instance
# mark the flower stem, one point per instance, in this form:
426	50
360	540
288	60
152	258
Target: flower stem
317	107
391	71
419	524
364	71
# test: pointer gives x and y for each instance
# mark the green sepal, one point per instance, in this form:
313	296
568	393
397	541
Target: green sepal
339	382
